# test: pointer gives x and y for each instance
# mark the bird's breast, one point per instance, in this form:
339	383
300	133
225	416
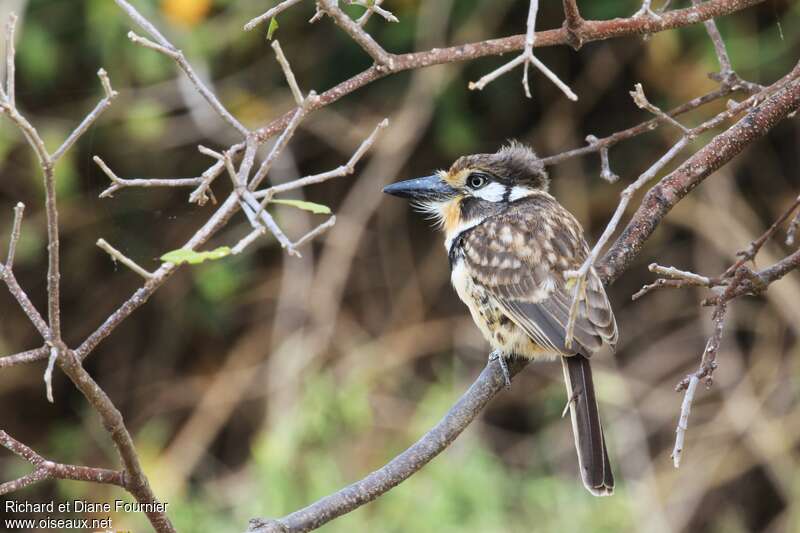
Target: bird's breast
497	328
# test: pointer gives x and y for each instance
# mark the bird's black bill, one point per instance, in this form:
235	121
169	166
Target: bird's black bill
430	188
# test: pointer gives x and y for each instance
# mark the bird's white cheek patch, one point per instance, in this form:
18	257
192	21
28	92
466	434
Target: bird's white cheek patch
493	192
519	192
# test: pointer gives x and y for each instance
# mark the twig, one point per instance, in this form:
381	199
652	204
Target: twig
383	59
116	255
598	145
28	356
87	122
322	228
605	167
373	6
45	469
10	95
750	253
785	84
579	276
248	239
287	72
136	481
202	193
118	183
526	58
273	12
791	231
771	105
680	279
283	140
343	170
163	46
642	102
16	229
683	420
646	11
591	30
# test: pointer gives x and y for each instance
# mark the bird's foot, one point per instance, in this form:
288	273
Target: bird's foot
497	355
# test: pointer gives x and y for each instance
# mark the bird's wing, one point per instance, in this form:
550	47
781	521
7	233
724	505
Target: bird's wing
520	257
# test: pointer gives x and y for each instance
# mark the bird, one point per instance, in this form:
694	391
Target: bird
510	245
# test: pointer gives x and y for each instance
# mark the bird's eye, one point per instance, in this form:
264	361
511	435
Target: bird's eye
476	181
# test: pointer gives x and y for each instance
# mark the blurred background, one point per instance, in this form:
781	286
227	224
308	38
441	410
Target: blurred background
254	385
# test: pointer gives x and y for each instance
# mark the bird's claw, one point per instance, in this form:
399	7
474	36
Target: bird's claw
503	366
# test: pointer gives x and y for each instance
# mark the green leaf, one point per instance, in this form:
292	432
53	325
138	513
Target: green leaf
273	25
317	209
183	255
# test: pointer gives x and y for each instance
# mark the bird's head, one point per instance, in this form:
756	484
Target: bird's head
475	187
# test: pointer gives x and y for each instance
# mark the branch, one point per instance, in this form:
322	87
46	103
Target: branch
136	481
9	95
372	6
87	122
24	357
383	59
525	59
580	276
45	469
274	12
591	30
486	386
163	46
116	255
118	183
721	149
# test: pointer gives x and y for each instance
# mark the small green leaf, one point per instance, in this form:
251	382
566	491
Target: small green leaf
273	25
183	255
317	209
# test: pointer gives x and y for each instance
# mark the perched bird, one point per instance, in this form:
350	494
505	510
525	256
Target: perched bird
510	243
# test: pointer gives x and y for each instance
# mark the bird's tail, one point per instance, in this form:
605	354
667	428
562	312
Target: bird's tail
589	440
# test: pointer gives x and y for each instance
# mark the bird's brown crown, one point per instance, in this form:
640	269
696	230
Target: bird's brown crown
513	164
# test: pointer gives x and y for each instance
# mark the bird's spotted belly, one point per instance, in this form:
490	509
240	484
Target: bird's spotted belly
497	328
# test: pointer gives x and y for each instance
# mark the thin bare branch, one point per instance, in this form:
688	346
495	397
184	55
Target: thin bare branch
136	481
283	140
486	386
750	253
16	229
598	145
163	46
287	72
340	171
116	255
87	122
273	12
10	95
382	57
322	228
25	357
683	421
118	183
373	6
248	239
580	276
642	102
45	469
605	167
7	275
791	232
526	58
